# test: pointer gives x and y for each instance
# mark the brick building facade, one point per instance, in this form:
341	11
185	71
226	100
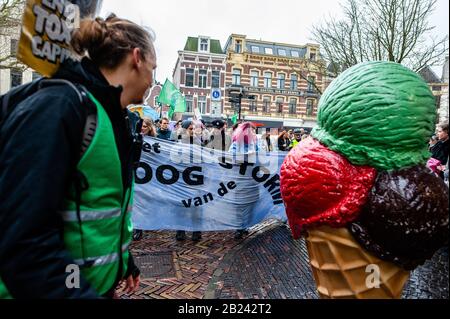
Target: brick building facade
286	79
199	71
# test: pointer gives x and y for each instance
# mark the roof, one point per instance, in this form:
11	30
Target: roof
275	49
428	75
192	45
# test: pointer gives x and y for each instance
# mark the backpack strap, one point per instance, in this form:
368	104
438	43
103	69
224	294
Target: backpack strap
82	94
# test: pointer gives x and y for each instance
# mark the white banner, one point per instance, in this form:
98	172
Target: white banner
188	187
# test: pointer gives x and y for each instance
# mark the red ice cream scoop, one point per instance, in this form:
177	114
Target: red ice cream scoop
321	187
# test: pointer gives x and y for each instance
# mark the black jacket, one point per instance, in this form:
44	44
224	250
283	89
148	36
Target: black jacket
440	151
165	135
39	148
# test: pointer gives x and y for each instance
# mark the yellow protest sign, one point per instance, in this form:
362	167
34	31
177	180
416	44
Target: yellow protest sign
46	28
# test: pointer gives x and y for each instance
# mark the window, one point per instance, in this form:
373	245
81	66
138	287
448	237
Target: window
215	79
295	54
312	56
255	49
204	45
279	104
266	104
14	44
254	78
236	77
35	76
267	79
311	81
435	88
282	52
294	81
188	103
189	77
281	80
268	50
238	46
16	77
292	106
202	104
309	107
252	106
202	75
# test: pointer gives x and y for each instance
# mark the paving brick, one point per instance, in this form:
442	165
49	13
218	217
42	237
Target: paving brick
267	263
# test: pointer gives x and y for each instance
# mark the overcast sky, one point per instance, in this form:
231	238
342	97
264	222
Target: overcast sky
287	21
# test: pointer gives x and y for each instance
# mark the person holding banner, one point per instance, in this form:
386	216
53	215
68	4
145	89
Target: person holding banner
244	149
148	127
219	139
65	222
188	137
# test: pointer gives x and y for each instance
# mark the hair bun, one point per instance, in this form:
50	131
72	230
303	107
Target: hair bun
87	37
108	41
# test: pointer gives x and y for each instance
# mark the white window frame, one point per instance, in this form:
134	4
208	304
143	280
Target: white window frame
290	106
252	78
311	87
255	49
236	78
201	104
279	99
268	81
281	80
190	74
202	78
292	87
268	51
265	100
212	77
189	102
238	46
309	113
202	44
280	52
295	54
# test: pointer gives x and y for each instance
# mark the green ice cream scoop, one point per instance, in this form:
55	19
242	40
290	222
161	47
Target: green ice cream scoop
379	114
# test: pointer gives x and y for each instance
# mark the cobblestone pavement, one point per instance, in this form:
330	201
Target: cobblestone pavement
268	263
275	266
181	269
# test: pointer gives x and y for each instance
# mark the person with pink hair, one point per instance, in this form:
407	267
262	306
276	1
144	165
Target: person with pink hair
243	149
244	139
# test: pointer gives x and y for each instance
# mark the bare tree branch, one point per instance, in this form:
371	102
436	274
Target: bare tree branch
10	20
392	30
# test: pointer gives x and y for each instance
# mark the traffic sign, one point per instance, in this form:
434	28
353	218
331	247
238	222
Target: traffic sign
216	94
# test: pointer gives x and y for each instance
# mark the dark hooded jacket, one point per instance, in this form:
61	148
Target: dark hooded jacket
40	145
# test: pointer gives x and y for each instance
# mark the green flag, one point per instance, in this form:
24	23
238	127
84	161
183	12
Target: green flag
234	118
170	113
180	104
170	95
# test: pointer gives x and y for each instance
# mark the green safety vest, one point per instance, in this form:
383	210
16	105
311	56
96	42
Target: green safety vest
293	143
99	237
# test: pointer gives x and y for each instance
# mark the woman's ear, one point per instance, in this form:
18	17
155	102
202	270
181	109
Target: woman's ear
137	57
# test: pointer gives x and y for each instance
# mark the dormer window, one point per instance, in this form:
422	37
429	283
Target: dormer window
238	46
204	45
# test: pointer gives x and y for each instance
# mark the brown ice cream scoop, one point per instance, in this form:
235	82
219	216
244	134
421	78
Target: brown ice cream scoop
405	219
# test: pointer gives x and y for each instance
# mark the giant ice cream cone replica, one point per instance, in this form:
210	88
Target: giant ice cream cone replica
340	267
359	189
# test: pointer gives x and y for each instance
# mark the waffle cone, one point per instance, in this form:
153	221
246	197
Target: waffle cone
339	267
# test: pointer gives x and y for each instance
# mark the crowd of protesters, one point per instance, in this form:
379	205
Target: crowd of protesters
218	136
241	138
